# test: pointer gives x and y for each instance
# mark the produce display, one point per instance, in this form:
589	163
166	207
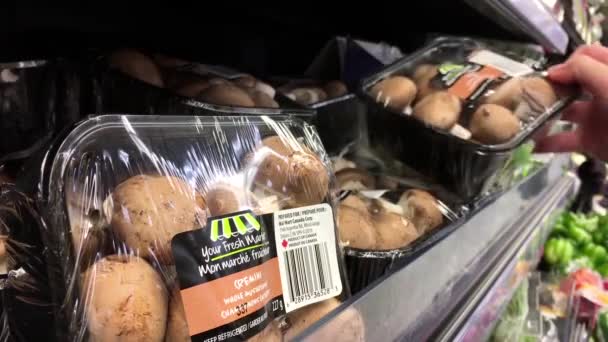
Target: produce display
511	325
218	215
578	240
189	227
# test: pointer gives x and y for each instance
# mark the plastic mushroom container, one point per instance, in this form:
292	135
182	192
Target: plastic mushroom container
176	228
455	110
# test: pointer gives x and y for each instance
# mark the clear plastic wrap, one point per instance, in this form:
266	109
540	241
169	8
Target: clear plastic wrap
471	106
155	223
131	81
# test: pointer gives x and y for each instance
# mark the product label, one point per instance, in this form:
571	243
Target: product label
500	62
242	270
309	268
467	81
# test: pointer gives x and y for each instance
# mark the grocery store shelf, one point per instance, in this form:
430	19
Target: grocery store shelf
477	317
426	298
529	16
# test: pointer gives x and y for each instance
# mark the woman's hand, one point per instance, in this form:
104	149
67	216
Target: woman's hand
588	68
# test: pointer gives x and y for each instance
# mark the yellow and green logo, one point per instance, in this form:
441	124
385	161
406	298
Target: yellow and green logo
233	225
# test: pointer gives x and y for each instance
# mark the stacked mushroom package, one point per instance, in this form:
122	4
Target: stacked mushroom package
180	228
386	221
131	81
469	105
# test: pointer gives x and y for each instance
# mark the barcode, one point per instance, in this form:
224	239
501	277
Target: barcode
308	271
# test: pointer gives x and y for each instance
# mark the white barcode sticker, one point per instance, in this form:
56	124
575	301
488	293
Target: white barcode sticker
308	262
502	63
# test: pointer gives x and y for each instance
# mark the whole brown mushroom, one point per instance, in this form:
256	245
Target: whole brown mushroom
396	92
539	93
137	65
508	94
354	179
125	300
493	124
335	89
423	77
224	199
355	202
308	96
226	94
356	228
262	99
148	211
440	110
422	209
246	81
193	88
291	170
394	231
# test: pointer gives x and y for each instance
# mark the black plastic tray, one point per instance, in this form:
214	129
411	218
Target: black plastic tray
341	121
115	92
365	266
462	166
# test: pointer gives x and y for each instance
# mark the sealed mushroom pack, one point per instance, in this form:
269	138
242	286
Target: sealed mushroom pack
469	106
192	228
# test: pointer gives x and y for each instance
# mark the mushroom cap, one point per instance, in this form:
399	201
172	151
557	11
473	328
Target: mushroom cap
246	81
125	297
394	231
308	96
335	89
493	124
148	211
354	179
224	199
356	228
137	65
539	93
355	202
262	99
424	71
226	94
299	174
440	110
265	88
423	75
422	209
396	92
193	89
508	94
